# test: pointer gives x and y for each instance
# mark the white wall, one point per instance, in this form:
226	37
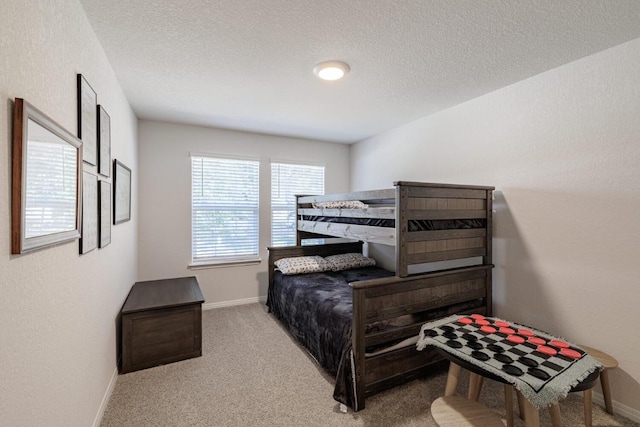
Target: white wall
563	150
58	309
165	199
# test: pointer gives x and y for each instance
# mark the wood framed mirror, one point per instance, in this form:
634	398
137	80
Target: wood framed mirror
46	187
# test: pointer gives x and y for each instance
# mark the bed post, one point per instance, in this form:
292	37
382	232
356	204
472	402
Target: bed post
401	230
298	238
488	258
358	344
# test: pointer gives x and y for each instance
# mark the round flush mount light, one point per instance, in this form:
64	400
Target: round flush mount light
331	70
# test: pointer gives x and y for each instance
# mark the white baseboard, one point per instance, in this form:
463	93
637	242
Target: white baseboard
618	408
212	305
105	398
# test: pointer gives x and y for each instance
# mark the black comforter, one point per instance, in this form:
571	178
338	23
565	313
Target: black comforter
317	310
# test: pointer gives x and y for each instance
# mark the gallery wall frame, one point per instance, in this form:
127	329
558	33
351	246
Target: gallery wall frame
46	189
87	119
89	236
104	207
121	193
104	142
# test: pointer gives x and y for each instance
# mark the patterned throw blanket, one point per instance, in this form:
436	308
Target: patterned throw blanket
542	367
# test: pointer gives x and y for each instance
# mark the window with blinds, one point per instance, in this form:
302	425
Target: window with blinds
224	209
287	181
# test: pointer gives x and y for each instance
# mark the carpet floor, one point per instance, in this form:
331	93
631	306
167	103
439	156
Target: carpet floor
252	373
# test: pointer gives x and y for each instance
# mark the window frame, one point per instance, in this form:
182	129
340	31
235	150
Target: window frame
271	198
221	261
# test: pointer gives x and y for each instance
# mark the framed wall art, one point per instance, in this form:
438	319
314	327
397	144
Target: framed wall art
104	207
87	120
104	142
89	237
46	179
121	192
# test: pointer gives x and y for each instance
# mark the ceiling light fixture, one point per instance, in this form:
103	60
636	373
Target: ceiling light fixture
331	70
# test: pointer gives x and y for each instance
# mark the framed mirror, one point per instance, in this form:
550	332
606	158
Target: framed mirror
46	187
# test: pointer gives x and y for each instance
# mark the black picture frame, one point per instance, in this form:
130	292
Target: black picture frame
104	208
89	234
41	214
121	193
87	120
104	142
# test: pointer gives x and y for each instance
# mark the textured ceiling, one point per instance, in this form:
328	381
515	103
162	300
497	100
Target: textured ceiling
247	64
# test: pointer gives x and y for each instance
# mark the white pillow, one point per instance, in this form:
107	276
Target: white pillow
349	261
302	264
345	204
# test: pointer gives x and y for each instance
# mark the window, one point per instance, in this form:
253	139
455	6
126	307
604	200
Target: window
288	180
224	210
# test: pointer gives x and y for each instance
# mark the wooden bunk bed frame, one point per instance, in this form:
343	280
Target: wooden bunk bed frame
409	201
387	298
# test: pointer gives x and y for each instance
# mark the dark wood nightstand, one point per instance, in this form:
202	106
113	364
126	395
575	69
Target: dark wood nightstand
161	323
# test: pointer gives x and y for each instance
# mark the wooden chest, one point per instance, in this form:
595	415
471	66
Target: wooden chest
161	323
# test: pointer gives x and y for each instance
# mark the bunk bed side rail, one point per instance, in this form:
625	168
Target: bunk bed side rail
382	235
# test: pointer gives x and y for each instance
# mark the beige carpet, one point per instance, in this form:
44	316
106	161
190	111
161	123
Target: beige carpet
253	374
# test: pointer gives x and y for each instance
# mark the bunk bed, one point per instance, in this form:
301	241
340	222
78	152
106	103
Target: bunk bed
378	314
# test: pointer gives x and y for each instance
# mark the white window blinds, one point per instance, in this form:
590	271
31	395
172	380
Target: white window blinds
287	181
224	206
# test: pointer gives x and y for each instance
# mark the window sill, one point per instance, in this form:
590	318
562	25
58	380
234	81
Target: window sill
222	264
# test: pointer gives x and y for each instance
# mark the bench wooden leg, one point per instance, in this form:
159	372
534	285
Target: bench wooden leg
475	386
508	403
531	414
556	418
452	379
608	363
587	407
520	405
606	391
